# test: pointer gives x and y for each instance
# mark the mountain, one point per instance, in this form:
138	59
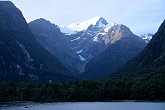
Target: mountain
151	60
51	38
85	38
94	35
83	41
147	37
22	58
82	26
120	46
77	33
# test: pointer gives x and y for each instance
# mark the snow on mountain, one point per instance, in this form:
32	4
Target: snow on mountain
82	58
75	39
66	30
95	39
106	29
98	21
80	26
80	51
147	37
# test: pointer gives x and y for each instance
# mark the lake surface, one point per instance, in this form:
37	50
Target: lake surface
84	106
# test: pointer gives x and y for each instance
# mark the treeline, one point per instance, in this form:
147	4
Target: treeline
105	90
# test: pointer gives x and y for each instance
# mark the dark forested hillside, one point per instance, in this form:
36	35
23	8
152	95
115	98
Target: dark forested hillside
145	89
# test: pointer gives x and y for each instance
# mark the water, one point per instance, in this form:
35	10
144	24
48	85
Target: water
84	106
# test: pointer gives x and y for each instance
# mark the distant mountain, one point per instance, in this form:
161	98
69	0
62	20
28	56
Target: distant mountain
21	56
151	59
147	37
120	46
93	36
51	38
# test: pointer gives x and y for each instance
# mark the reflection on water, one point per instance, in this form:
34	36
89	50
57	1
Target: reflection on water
84	106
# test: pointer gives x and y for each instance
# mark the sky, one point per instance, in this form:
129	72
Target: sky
141	16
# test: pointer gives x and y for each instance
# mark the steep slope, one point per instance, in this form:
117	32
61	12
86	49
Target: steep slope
21	56
121	45
50	37
152	58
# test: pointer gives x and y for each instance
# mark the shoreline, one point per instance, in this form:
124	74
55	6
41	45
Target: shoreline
116	101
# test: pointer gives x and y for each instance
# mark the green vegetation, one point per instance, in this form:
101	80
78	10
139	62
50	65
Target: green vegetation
144	89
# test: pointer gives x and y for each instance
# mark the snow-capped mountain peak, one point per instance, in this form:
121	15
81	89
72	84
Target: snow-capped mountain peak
147	37
80	26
